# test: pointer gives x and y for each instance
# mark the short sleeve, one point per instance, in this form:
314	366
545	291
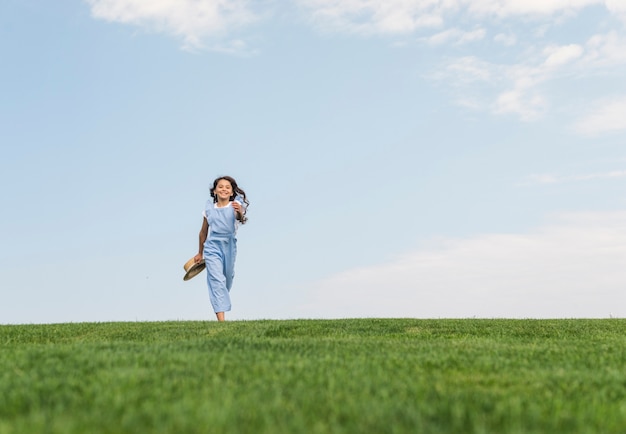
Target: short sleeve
205	211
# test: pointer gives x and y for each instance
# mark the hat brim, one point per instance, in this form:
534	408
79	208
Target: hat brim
194	270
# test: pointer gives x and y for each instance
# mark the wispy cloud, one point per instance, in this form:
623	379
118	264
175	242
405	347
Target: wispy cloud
519	88
406	16
618	7
606	116
456	36
515	86
557	179
557	56
605	50
510	8
572	267
506	39
198	23
505	88
374	17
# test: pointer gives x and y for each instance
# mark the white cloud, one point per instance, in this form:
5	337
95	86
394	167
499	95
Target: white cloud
456	36
405	16
508	89
607	116
512	87
519	88
371	17
618	7
443	37
573	267
544	178
354	16
506	39
508	8
554	179
527	105
468	69
194	21
605	50
559	56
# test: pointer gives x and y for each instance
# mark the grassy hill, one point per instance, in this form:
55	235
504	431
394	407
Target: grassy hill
315	376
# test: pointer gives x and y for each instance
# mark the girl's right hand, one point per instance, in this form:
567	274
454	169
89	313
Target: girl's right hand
198	258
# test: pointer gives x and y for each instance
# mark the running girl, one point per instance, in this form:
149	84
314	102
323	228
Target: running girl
218	243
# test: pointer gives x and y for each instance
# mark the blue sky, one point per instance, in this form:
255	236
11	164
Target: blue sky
403	158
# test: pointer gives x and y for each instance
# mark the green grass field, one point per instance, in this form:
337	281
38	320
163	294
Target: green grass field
315	376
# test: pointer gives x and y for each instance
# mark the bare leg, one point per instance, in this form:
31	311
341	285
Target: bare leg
220	316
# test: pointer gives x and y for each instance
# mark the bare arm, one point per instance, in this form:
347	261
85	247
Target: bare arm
204	231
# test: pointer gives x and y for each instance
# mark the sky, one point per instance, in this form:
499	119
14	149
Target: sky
403	158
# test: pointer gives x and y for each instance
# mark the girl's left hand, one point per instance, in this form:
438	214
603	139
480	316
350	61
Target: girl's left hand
238	210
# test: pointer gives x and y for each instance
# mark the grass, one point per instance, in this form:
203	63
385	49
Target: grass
315	376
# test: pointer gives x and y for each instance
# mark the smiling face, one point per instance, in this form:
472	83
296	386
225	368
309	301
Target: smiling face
223	190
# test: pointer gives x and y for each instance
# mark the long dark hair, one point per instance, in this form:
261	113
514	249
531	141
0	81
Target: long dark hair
236	191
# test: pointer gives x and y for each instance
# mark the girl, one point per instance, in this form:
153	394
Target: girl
218	246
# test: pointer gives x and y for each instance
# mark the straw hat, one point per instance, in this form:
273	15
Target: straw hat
192	269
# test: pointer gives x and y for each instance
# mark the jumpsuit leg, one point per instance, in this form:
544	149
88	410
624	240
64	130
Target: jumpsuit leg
219	257
229	263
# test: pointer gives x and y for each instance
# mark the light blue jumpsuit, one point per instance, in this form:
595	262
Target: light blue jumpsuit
220	252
